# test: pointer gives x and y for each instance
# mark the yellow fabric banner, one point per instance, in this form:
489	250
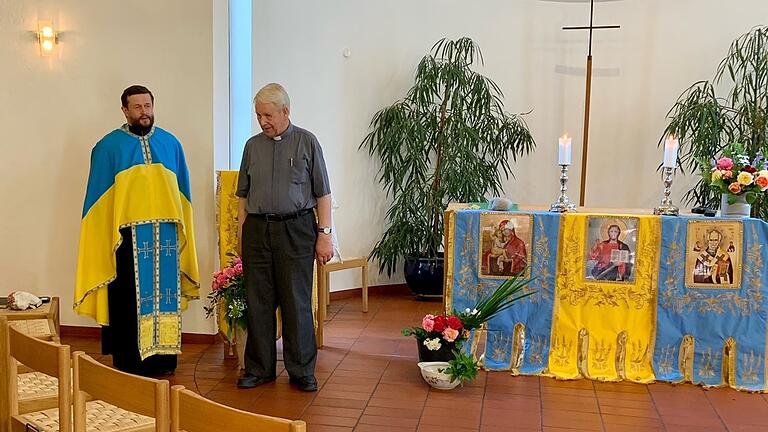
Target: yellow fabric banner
605	304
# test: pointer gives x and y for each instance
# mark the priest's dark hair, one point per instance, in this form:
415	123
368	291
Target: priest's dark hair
134	90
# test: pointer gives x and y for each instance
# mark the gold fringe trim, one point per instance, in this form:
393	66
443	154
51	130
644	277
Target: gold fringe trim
582	354
621	355
481	334
518	348
729	362
685	361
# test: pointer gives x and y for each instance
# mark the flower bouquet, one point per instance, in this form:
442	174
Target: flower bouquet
440	337
737	176
228	296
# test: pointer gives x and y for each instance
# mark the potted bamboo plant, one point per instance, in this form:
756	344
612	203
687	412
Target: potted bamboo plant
708	125
447	140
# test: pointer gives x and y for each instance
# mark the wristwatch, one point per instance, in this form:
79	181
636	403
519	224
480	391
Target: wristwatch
324	230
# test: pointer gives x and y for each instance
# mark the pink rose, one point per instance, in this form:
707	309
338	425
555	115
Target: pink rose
734	188
238	268
222	279
724	163
727	174
450	334
428	323
229	272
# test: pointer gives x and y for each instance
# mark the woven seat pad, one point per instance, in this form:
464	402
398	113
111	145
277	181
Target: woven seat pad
100	417
38	328
37	385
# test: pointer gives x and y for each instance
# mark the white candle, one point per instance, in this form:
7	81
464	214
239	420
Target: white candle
564	153
670	152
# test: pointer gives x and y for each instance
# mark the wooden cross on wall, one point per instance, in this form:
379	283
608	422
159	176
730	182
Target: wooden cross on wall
587	100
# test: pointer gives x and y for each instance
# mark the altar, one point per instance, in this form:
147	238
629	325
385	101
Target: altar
616	295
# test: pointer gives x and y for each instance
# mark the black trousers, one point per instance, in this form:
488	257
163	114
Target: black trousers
121	337
277	263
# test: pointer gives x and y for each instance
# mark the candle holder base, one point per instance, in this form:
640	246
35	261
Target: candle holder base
666	210
559	207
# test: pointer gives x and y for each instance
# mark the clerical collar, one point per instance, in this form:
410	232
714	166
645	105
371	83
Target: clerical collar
285	134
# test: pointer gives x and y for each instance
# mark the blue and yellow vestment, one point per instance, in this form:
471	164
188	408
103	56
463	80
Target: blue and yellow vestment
139	183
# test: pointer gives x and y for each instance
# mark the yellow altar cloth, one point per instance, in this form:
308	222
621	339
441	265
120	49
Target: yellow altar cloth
604	330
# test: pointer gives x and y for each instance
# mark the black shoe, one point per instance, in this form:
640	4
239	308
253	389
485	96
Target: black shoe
251	381
306	383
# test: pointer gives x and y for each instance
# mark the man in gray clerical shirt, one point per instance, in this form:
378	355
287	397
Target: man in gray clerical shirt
282	179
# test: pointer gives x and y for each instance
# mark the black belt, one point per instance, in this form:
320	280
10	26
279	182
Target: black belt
274	217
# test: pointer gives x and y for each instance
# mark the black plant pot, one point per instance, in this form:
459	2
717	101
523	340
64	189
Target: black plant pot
444	354
424	276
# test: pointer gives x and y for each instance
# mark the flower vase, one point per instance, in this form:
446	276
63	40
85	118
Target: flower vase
739	209
444	354
241	336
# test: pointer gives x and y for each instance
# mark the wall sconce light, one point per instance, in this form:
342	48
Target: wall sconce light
47	37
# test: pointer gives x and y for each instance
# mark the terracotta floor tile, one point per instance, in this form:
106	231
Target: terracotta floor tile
609	427
629	412
703	421
333	411
381	428
631	421
401	422
340	403
430	428
569	403
447	417
329	420
571	419
505	419
409	413
694	428
326	428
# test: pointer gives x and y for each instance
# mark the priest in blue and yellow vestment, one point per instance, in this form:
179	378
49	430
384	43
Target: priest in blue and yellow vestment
137	265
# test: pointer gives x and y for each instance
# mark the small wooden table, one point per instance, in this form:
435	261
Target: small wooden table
42	322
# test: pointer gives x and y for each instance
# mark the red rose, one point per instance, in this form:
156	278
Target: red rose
440	324
455	323
749	169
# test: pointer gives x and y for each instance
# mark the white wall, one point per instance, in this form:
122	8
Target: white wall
639	70
54	110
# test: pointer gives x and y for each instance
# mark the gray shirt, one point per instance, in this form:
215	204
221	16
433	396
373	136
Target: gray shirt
282	175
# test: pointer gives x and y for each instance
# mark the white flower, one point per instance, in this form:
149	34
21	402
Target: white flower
432	344
475	311
467	310
742	159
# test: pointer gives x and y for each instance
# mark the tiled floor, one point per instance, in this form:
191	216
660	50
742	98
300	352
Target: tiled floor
370	383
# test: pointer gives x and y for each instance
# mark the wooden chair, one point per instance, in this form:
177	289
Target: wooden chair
48	358
191	412
122	402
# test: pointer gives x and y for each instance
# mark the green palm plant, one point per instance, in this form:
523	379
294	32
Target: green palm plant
706	124
446	141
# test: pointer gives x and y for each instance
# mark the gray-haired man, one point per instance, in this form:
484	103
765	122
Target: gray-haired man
282	179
